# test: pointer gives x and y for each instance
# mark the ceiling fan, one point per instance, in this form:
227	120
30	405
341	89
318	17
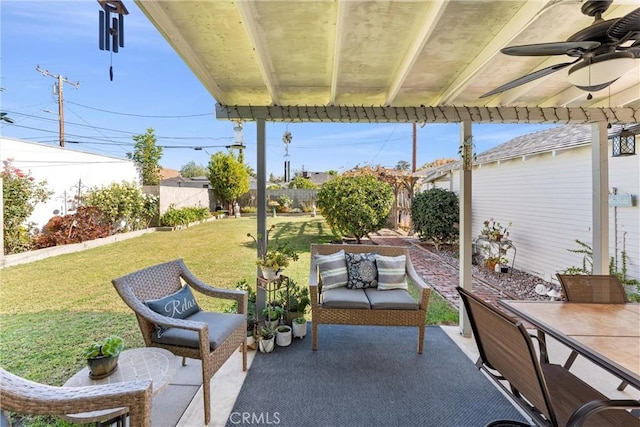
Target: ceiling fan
605	51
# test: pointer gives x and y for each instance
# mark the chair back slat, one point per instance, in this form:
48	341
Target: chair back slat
601	289
506	347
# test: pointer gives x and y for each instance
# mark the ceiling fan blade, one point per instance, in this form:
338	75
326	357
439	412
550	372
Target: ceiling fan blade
528	78
547	49
630	23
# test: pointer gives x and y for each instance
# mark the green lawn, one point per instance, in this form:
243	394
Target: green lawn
51	309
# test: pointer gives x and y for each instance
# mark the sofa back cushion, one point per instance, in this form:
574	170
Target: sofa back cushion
333	270
361	270
392	272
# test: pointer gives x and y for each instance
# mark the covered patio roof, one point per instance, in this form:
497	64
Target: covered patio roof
385	61
412	61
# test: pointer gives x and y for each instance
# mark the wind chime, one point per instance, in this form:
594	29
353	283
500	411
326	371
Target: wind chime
111	28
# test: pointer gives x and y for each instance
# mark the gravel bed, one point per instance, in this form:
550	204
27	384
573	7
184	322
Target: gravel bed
516	283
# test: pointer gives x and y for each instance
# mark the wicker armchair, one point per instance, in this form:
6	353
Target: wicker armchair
548	393
23	396
209	337
592	288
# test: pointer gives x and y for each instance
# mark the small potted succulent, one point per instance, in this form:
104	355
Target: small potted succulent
299	326
266	342
102	358
272	314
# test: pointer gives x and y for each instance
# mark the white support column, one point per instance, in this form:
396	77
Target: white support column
600	198
465	219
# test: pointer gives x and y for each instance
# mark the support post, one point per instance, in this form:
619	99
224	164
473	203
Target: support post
600	198
466	152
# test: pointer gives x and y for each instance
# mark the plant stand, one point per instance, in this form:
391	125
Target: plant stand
266	292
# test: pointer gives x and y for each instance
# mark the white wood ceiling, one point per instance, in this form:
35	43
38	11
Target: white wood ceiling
339	53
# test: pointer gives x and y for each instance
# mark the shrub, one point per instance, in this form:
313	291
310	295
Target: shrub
183	216
20	194
355	205
434	214
87	223
124	205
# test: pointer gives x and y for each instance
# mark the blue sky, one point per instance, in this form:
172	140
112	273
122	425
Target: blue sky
153	88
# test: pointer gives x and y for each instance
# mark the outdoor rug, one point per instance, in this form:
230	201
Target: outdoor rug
368	376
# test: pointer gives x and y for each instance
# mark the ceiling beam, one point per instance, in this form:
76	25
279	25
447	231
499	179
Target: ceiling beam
362	114
171	33
258	42
337	49
413	53
525	16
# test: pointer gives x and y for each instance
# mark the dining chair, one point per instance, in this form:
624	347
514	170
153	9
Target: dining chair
27	397
169	317
592	288
550	394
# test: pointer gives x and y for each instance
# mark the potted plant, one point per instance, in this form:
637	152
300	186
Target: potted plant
266	341
272	314
295	299
494	230
102	358
273	260
283	335
299	327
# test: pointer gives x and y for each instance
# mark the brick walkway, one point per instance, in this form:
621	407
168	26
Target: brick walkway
441	276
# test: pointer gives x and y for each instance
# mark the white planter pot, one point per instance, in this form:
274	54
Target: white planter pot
283	339
299	329
269	273
266	346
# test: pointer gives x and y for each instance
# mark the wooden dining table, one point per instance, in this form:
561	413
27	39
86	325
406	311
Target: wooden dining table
606	334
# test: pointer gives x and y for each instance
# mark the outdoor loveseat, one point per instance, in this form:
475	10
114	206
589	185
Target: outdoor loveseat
365	285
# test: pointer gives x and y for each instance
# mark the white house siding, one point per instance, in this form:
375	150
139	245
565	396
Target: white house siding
547	197
63	168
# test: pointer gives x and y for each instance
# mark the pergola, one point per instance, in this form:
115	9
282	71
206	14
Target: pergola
407	61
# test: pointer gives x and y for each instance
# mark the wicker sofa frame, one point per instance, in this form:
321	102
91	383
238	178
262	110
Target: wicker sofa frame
359	316
164	279
23	396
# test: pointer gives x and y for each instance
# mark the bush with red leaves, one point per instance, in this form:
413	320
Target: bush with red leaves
88	223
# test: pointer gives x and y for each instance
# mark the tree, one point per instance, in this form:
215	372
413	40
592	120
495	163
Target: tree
403	166
147	156
20	195
355	205
191	170
302	183
435	213
229	178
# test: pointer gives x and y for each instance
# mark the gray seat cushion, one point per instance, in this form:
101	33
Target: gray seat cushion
344	298
221	325
392	299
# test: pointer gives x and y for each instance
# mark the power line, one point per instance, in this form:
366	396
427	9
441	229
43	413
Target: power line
141	115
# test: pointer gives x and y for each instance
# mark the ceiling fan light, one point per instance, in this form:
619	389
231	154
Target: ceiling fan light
599	72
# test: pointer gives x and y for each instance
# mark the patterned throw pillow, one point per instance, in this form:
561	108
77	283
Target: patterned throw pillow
391	272
362	271
333	270
178	305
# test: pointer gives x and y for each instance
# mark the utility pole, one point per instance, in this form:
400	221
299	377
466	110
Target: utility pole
59	85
